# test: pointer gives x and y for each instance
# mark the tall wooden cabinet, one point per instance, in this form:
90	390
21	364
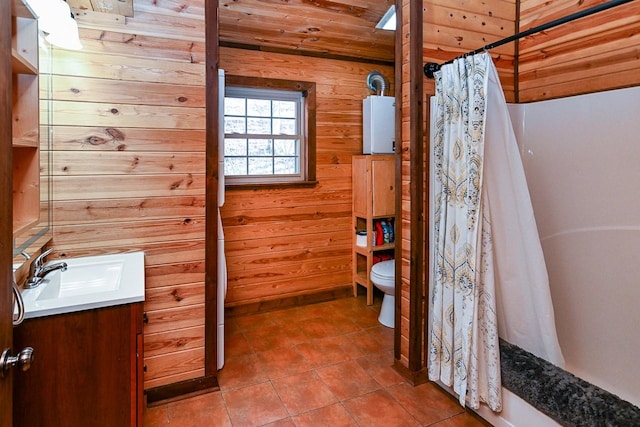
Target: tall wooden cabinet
374	196
25	118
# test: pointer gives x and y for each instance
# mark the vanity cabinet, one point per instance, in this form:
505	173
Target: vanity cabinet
87	369
374	197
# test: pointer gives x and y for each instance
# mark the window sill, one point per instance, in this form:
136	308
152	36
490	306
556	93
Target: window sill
271	186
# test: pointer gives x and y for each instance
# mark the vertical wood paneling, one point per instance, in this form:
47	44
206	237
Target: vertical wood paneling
129	165
405	220
409	336
290	242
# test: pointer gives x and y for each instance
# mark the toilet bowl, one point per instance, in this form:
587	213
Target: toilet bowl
383	276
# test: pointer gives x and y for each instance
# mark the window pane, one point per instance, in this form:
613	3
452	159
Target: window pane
260	166
261	147
285	147
284	126
285	165
286	109
264	135
234	106
259	107
235	147
234	125
259	126
235	166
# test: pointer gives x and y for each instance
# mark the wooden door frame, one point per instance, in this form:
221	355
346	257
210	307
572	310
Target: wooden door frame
6	219
211	198
418	303
415	370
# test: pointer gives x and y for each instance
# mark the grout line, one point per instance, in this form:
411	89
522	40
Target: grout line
358	329
226	408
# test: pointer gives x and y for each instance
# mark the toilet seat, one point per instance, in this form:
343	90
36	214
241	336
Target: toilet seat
384	273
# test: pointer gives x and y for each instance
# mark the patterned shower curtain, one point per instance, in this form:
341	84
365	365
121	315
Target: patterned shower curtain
463	351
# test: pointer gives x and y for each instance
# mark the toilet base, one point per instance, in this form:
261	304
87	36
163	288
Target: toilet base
387	311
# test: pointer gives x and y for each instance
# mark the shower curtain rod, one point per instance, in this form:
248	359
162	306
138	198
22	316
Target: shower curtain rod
431	67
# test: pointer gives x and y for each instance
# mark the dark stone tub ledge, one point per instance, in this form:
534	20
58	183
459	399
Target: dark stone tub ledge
560	395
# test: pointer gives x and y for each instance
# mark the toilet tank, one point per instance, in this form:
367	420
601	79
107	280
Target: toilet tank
379	127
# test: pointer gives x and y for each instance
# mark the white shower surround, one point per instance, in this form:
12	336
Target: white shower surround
580	156
588	233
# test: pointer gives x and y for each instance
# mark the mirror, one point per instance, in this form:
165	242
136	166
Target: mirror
33	239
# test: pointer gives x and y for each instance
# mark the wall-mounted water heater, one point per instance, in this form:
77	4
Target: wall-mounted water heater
379	124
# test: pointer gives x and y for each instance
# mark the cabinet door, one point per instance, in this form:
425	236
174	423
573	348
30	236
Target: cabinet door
383	186
360	181
82	371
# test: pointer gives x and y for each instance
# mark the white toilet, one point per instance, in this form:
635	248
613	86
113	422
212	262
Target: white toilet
383	276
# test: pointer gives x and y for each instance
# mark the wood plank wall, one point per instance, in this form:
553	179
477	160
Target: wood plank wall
128	129
283	243
129	165
592	54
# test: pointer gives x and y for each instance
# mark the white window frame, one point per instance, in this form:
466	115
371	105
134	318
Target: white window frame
300	135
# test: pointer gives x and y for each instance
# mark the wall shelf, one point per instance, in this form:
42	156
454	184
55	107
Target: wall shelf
20	65
24	40
25	118
26	188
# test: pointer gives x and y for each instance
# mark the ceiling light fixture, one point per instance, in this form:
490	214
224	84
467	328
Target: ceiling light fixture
388	21
55	19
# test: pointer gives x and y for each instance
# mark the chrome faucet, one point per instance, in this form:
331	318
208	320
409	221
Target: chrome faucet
38	271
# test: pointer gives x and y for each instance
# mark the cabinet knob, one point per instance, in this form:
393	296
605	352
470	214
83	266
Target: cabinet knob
24	359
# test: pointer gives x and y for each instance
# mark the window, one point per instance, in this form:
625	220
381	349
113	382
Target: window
266	132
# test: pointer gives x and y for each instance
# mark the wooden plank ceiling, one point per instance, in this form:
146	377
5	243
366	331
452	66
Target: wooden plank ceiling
342	28
118	7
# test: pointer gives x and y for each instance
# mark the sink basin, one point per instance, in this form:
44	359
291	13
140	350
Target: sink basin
89	282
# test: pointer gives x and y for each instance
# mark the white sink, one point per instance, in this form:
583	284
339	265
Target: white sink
88	282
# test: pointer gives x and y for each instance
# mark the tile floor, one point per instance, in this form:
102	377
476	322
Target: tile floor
326	364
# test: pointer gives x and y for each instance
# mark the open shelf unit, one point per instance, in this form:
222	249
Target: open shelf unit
25	118
373	200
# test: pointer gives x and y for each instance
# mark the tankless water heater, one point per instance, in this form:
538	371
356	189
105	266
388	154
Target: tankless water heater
379	124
